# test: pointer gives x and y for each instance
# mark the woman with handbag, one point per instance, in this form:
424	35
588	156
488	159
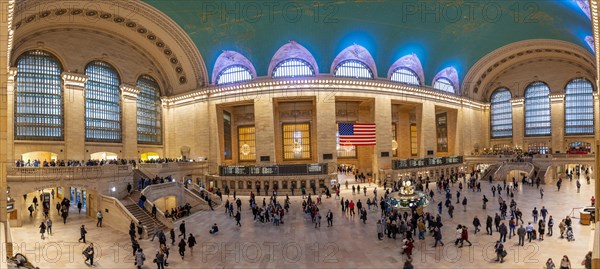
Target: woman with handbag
159	259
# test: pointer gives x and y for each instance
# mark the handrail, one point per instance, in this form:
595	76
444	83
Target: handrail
213	196
124	210
160	216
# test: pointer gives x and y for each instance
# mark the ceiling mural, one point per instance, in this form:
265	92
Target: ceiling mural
441	33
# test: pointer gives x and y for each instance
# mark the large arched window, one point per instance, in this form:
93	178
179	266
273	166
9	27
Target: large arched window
38	97
234	74
102	103
353	69
537	110
579	107
444	84
406	76
149	125
501	113
293	67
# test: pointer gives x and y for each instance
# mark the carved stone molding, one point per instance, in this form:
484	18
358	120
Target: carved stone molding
74	79
129	91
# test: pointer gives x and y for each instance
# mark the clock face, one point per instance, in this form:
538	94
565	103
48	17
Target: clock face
245	149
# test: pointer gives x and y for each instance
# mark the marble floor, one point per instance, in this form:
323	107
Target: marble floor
298	244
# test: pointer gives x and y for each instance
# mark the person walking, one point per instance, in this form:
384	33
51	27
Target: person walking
529	230
88	253
159	259
464	203
587	261
521	233
172	235
550	264
465	236
550	225
140	229
565	263
79	206
82	232
488	225
42	229
238	217
503	231
99	217
181	246
191	243
182	229
139	258
49	226
380	229
476	224
437	235
329	217
500	252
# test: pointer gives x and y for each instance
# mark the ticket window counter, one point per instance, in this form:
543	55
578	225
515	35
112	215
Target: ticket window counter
249	185
232	185
321	183
303	184
294	184
266	186
284	184
275	185
257	186
313	184
241	185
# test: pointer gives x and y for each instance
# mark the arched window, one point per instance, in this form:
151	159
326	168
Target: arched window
149	125
579	107
444	84
353	69
234	74
537	110
293	67
406	76
501	113
102	103
38	97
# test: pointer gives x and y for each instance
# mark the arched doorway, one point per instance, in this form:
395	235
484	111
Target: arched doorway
30	157
149	156
103	156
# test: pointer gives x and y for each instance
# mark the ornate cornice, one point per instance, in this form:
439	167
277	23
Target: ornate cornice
12	73
129	91
74	79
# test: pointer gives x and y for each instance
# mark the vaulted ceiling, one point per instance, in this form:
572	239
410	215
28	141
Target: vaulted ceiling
441	33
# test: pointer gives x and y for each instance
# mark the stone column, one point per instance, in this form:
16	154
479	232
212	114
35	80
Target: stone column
326	130
74	116
518	114
10	114
557	117
265	126
383	121
426	130
403	135
6	14
129	96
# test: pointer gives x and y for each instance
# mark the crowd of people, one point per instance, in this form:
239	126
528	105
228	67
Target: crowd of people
90	162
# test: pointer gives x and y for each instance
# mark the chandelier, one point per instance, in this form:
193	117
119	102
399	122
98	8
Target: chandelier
394	144
245	149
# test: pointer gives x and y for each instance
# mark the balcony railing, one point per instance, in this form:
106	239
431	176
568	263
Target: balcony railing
68	172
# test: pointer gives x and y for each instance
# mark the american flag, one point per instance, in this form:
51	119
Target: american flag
356	134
